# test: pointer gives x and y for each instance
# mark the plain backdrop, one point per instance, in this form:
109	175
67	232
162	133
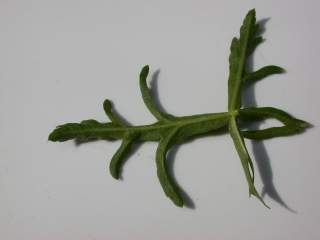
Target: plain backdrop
60	59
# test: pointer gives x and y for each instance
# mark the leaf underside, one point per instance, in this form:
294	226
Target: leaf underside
170	130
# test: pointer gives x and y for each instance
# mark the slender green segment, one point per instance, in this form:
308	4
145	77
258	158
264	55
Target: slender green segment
120	156
170	130
147	98
262	73
167	183
244	157
291	124
107	106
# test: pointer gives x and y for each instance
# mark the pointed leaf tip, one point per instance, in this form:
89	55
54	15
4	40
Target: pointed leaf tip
108	109
303	124
252	12
107	104
144	71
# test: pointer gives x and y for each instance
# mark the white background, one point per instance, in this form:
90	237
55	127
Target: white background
60	59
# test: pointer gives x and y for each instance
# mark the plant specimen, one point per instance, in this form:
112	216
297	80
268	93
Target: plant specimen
171	130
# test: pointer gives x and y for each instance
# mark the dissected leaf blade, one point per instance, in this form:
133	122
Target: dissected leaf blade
170	130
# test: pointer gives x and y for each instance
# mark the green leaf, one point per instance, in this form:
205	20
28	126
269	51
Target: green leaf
169	130
262	73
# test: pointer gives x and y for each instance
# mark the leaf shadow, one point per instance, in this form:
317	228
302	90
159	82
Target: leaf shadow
154	88
259	150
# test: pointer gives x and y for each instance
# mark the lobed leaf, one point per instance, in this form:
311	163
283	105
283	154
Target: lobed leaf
170	130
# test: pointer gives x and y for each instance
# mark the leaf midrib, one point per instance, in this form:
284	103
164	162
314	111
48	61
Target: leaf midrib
176	123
